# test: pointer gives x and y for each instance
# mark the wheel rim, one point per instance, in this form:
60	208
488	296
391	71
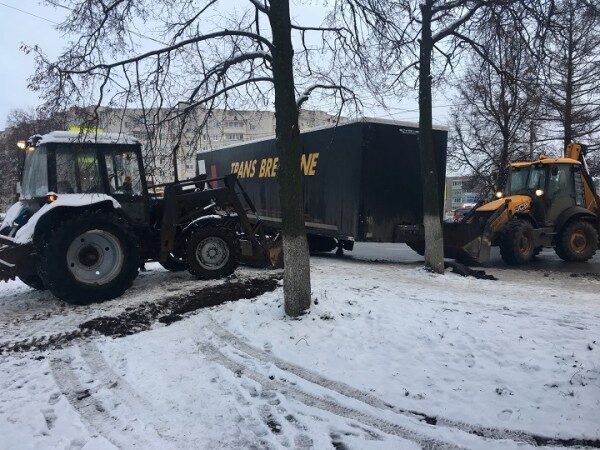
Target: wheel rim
524	244
212	253
578	242
95	257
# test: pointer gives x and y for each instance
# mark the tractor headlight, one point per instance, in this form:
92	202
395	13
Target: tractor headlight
22	145
499	194
51	197
539	192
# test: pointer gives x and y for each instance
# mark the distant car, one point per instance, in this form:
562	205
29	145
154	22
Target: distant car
460	214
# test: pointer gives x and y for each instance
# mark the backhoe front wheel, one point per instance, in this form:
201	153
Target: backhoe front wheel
212	253
577	242
90	257
517	242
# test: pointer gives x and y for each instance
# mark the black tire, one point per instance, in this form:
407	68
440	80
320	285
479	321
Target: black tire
212	253
320	244
577	242
418	247
516	242
33	281
174	264
71	258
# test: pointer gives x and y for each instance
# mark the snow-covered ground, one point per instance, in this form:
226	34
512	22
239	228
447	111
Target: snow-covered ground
388	357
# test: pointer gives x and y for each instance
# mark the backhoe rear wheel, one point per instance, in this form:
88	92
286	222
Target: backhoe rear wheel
516	242
212	253
90	257
577	242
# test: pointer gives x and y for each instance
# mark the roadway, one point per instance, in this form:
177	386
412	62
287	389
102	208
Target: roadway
402	254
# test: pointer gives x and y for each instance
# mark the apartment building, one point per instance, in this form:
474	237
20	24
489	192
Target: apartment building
457	193
202	131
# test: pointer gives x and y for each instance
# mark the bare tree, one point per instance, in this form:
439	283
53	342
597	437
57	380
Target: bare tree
495	116
426	35
571	84
204	54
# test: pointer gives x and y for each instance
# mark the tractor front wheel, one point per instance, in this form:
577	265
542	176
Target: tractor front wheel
516	242
577	242
90	257
33	281
212	253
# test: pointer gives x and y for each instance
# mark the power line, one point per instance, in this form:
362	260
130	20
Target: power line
29	13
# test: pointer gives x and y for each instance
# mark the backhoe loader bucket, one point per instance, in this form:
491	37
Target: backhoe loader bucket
265	252
470	241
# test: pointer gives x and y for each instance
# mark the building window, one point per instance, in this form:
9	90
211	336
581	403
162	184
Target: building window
234	136
233	124
457	183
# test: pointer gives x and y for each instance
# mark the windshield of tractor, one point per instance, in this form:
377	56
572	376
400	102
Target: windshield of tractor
35	173
123	172
77	171
524	180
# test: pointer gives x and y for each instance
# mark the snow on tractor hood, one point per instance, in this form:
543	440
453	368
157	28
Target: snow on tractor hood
25	233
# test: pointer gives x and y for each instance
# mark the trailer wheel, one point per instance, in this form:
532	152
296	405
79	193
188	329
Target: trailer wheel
174	264
516	242
577	242
90	257
33	281
321	244
418	247
212	253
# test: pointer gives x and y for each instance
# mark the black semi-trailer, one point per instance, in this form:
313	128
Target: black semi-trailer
361	179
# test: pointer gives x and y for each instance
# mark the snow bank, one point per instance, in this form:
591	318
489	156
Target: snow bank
25	233
382	348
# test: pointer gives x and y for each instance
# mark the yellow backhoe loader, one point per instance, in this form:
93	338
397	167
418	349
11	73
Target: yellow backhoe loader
550	202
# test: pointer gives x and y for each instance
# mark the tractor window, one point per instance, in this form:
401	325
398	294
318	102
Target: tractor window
123	172
35	173
77	171
579	191
560	181
525	179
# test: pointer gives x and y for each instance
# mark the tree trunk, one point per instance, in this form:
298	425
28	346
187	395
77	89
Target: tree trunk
434	240
296	282
502	170
568	112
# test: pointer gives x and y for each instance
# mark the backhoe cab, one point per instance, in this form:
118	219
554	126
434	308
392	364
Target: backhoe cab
550	202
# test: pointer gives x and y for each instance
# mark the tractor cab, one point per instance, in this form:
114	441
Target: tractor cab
553	185
64	162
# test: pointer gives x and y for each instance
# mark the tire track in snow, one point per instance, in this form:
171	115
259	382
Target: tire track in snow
323	404
371	400
124	391
121	432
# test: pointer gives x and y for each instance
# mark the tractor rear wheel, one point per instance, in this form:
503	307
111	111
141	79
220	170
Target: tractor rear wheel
516	242
90	257
577	242
33	281
212	253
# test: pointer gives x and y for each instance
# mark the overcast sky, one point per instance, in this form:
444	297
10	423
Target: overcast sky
29	22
